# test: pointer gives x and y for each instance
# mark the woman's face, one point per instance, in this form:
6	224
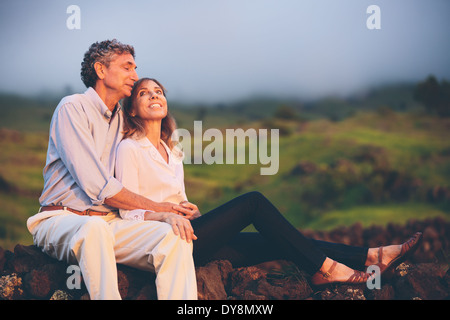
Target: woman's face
150	102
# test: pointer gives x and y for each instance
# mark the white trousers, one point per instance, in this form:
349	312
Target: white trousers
97	244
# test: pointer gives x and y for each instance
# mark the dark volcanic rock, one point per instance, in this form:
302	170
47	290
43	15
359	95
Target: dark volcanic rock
27	273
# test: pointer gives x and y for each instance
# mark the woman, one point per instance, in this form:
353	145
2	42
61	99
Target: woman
148	163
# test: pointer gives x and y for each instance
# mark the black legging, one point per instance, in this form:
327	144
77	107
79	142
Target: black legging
220	237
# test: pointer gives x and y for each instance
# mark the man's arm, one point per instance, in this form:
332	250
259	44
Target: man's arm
128	200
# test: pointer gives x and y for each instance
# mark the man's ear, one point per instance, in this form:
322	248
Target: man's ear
100	70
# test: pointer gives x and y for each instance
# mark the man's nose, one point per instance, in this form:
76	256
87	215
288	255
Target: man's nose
134	76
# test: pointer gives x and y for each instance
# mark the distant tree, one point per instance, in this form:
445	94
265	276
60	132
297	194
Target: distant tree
434	95
285	112
201	113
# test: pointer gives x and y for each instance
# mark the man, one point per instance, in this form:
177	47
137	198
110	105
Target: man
78	221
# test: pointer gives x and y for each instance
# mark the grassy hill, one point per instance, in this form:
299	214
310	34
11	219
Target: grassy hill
368	168
373	159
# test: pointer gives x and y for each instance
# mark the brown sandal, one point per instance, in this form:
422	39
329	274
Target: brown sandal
407	250
321	278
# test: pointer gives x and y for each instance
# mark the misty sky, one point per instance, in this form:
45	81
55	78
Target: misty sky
225	50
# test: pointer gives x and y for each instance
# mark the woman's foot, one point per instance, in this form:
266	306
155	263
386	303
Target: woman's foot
383	255
389	257
335	272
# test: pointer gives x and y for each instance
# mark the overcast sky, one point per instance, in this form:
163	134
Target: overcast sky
225	50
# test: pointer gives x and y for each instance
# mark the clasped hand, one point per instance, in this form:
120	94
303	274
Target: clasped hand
179	218
188	210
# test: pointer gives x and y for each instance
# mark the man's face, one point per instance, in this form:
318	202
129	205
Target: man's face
121	75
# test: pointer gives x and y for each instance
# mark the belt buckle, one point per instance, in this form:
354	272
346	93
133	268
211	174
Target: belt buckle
86	212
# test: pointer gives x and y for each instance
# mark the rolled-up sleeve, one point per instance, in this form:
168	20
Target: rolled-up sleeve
75	145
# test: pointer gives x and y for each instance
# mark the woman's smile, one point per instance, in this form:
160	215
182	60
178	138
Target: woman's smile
151	103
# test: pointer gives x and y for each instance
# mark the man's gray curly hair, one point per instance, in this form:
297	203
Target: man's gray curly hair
101	52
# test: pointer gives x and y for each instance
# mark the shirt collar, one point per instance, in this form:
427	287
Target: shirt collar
99	104
174	155
144	142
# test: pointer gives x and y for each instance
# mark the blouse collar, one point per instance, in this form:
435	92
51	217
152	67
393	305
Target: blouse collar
175	154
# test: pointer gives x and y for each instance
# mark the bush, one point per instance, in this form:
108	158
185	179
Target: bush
434	95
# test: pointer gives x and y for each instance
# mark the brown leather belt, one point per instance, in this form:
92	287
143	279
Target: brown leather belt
87	212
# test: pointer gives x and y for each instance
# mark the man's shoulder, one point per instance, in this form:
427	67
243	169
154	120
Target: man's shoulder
74	99
78	102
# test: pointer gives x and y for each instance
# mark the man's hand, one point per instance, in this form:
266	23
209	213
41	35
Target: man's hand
166	207
188	210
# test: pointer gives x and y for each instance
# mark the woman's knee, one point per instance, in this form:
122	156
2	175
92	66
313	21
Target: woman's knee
256	195
255	198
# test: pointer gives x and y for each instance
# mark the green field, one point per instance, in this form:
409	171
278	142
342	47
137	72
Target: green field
339	164
366	168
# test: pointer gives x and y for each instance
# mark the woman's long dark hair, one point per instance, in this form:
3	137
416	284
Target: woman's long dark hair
134	125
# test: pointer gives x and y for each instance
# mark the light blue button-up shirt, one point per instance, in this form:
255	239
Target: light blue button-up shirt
79	170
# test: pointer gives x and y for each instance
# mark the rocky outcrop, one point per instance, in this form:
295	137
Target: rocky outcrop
27	273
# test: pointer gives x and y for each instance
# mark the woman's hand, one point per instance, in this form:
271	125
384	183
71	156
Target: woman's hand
180	225
188	210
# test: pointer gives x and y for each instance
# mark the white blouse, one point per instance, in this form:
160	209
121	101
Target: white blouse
142	170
